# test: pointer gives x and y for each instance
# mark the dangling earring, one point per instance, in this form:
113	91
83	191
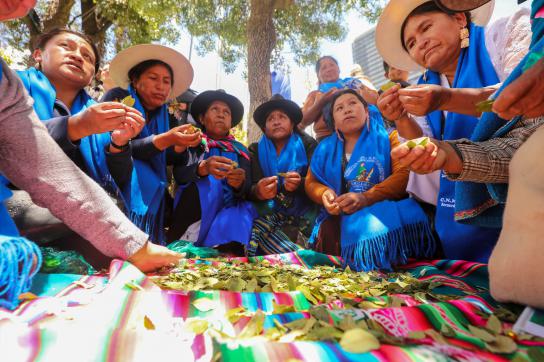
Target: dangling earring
425	75
464	36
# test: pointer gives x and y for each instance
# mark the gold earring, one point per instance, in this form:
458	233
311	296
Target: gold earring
464	36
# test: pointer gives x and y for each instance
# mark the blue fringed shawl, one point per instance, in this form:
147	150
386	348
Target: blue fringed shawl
381	235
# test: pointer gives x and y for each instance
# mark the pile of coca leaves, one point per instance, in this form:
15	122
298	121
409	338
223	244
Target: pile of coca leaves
335	295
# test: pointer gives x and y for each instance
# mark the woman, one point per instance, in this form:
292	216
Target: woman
216	185
63	189
150	75
352	176
279	163
316	105
464	63
66	61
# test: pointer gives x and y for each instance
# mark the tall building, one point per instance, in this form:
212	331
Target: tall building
366	55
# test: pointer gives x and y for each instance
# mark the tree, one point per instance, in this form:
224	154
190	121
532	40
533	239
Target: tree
256	31
112	24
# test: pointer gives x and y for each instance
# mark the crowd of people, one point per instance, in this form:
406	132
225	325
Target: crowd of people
427	170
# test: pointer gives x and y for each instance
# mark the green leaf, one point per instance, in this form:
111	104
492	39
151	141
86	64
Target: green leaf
234	314
481	333
236	284
447	331
252	285
494	324
424	141
485	106
416	335
502	344
197	326
148	324
204	304
128	101
282	308
388	86
254	327
358	340
308	294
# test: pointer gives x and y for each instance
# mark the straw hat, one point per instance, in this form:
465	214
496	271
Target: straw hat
388	30
460	5
130	57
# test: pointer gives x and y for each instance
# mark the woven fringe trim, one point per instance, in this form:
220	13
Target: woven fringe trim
16	261
393	248
467	214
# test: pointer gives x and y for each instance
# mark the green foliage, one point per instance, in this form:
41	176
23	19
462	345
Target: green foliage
119	23
300	25
6	57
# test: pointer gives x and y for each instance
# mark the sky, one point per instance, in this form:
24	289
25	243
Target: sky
210	75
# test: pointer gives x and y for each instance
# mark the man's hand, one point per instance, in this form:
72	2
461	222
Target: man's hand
328	198
524	96
236	178
420	100
351	202
292	181
267	188
152	257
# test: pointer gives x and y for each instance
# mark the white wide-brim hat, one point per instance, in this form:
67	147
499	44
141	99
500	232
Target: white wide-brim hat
130	57
388	30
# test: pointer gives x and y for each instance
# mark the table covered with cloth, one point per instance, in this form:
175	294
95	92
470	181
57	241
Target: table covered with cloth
123	315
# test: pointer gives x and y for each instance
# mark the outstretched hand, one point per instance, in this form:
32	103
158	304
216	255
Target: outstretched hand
152	257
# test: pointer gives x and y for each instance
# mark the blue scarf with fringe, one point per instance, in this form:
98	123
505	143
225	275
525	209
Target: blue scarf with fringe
149	181
485	206
142	197
377	236
292	158
225	217
474	70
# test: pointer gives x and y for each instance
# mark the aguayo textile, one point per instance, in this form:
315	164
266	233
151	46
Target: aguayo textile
429	311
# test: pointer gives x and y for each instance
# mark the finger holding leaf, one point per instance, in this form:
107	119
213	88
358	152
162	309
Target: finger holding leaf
292	181
328	198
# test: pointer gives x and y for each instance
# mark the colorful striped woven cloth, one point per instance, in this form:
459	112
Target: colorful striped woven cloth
124	316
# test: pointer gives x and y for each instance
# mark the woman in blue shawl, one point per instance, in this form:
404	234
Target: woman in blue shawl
279	163
210	205
352	176
66	62
455	52
148	75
